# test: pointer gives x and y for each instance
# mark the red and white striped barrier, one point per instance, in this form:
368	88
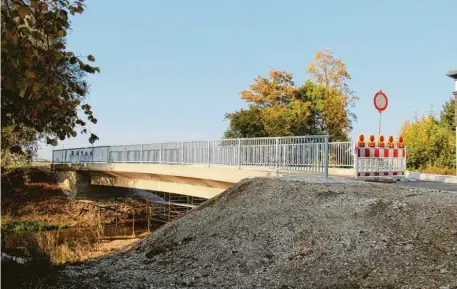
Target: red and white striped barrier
379	159
380	162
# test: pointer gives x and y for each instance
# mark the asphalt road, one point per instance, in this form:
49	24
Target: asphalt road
428	185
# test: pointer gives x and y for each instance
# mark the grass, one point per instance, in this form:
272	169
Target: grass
20	227
439	170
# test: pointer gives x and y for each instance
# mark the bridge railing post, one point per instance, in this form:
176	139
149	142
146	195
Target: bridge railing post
326	157
209	153
182	153
277	154
124	157
141	154
161	152
239	154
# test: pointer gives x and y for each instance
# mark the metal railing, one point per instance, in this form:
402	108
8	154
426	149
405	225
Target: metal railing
298	153
341	154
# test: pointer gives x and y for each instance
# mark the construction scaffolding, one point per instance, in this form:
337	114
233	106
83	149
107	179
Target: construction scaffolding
172	206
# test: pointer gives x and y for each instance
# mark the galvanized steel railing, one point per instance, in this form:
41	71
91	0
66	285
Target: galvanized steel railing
300	153
341	154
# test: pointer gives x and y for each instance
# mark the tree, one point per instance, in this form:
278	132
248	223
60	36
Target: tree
21	144
279	108
329	112
43	84
331	72
277	89
448	114
274	108
430	143
245	123
327	70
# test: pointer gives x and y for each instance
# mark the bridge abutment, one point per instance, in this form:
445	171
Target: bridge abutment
76	182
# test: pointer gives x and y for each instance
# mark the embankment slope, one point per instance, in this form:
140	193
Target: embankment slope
273	233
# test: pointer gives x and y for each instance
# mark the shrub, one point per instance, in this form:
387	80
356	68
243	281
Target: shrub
430	145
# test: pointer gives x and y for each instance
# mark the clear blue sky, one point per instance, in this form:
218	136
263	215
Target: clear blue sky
170	70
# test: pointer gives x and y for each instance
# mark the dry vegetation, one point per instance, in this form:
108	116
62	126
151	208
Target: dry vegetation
35	213
34	194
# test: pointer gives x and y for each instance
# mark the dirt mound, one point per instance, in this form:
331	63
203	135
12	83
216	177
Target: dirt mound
270	233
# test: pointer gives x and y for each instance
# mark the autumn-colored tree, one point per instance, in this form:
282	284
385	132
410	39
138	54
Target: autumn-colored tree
331	72
279	108
278	89
430	143
327	70
43	83
274	108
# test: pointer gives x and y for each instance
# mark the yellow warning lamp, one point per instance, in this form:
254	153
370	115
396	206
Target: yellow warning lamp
361	142
390	142
371	141
400	143
381	142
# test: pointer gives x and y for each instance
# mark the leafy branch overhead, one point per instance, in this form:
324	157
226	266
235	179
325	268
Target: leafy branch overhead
43	83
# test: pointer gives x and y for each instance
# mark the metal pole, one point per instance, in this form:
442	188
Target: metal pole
209	152
141	154
356	160
123	155
239	154
182	153
379	124
326	157
277	154
160	157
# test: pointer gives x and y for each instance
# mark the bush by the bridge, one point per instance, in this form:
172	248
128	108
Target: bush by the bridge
431	141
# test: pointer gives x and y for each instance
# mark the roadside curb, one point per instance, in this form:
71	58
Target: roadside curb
431	177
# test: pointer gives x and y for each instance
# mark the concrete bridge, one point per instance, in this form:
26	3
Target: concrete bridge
200	169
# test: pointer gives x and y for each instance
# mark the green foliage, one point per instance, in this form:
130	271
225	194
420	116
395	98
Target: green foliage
43	84
245	123
279	108
28	226
448	114
430	143
18	145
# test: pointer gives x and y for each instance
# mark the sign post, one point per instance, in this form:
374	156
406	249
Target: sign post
380	103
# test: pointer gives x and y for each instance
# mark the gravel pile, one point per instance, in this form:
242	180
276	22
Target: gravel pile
276	233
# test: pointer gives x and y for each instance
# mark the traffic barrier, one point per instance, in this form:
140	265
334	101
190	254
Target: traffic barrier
379	161
390	143
371	142
361	142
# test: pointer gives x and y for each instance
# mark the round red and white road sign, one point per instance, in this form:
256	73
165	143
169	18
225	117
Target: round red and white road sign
380	101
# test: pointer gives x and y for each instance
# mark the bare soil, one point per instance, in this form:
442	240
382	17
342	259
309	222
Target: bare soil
273	233
34	194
